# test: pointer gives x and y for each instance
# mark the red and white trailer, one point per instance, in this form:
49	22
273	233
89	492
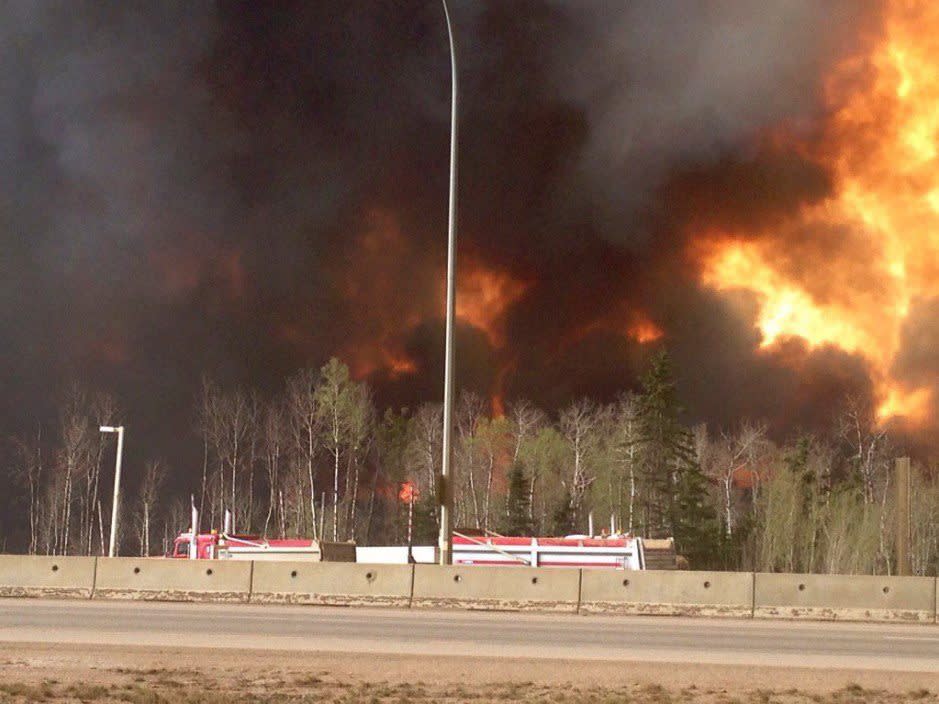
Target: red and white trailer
571	551
615	552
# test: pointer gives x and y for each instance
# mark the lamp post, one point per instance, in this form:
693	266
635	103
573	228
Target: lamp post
445	494
117	482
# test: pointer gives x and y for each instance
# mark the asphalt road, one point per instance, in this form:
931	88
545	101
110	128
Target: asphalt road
913	648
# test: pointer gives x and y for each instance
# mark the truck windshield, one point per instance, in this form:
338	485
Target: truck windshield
182	550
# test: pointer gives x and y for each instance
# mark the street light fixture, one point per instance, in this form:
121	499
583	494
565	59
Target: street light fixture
445	495
117	482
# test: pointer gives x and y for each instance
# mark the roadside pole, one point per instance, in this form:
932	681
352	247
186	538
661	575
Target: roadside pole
903	516
445	491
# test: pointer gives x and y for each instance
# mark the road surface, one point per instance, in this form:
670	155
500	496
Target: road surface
911	648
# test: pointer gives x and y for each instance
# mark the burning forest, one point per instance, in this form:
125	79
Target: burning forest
242	192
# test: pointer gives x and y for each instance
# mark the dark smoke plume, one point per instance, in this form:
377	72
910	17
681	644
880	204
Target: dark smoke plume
241	189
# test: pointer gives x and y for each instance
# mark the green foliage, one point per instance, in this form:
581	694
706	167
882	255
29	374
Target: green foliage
816	504
518	504
426	526
544	459
562	519
677	501
694	523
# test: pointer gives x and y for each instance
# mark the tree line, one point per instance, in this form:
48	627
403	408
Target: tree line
320	460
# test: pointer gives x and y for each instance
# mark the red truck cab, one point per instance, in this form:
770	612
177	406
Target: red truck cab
206	546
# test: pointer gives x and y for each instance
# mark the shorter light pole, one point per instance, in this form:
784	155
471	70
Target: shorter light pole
117	482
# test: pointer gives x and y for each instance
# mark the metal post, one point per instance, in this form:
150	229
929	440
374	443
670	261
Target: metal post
194	540
117	490
903	516
445	493
411	529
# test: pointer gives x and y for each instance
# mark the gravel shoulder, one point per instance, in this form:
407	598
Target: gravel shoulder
139	674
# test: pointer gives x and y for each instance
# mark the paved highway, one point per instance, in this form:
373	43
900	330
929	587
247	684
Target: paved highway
913	648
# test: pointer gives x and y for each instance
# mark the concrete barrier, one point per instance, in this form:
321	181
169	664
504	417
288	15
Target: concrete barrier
673	593
502	588
41	576
844	597
158	579
337	583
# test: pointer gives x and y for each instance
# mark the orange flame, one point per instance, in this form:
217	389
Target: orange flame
644	331
408	492
880	146
389	286
483	297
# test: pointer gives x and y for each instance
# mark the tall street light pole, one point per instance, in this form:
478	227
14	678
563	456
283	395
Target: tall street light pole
445	494
117	483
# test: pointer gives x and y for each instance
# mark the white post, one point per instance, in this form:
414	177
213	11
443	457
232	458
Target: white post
411	528
193	542
445	495
115	502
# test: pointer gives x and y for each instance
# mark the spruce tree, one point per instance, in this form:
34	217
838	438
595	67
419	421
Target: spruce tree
562	520
518	504
426	526
677	503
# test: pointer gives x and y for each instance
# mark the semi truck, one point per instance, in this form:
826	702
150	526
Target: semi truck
469	548
226	545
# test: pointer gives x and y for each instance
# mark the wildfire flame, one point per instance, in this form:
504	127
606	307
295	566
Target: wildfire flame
880	147
389	287
644	331
483	297
408	492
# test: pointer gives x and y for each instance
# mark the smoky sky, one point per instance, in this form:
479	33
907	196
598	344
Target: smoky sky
241	189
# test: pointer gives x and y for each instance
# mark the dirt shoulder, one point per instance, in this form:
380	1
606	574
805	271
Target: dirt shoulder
74	673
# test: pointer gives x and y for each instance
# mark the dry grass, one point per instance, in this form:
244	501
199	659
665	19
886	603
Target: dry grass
164	686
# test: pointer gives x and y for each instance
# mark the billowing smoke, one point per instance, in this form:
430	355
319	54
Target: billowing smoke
669	85
241	189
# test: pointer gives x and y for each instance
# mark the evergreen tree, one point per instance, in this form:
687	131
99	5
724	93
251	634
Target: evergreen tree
677	502
695	524
426	526
562	522
518	504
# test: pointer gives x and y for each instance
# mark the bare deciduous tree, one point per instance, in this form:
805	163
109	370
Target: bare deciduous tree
578	423
734	456
147	499
303	418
